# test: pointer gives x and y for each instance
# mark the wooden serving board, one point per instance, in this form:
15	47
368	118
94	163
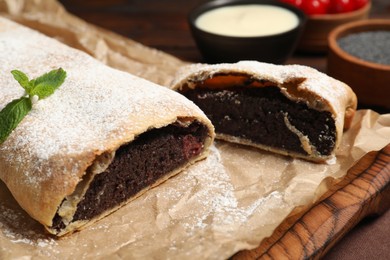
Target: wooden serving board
364	191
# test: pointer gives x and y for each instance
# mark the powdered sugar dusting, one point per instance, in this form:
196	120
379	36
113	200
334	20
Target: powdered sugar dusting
96	109
94	100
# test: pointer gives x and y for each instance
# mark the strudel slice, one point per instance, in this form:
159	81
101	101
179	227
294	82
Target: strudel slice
103	138
289	109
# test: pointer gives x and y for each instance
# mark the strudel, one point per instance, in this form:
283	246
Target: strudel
102	139
289	109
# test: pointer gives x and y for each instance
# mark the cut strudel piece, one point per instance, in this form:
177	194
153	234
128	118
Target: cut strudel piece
103	138
289	109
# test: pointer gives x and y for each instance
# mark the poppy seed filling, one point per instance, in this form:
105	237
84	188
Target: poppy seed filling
265	116
137	165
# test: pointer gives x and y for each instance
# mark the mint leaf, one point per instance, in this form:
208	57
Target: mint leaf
41	87
12	114
46	84
22	79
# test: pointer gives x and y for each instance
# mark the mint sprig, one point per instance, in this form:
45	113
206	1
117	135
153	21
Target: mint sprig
39	88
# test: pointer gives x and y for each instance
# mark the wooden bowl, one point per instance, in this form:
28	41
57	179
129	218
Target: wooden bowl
370	81
314	38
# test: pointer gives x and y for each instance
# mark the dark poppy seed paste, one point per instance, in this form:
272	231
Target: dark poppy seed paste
263	115
373	46
138	165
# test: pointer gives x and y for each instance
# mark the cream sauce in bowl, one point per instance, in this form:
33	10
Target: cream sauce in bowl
250	20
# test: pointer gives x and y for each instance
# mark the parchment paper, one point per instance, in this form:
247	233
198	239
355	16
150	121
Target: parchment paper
228	202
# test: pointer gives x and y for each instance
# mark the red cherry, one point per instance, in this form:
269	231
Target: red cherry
296	3
326	3
360	3
311	7
341	6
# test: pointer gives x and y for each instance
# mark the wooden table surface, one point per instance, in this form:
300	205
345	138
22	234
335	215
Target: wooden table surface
162	24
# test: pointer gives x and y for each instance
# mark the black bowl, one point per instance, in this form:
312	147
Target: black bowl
217	48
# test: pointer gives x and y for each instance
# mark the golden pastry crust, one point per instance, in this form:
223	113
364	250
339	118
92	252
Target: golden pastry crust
93	113
298	83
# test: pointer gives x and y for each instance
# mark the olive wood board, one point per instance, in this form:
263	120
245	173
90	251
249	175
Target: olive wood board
363	192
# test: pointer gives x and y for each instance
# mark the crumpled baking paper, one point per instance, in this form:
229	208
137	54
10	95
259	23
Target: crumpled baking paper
226	203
